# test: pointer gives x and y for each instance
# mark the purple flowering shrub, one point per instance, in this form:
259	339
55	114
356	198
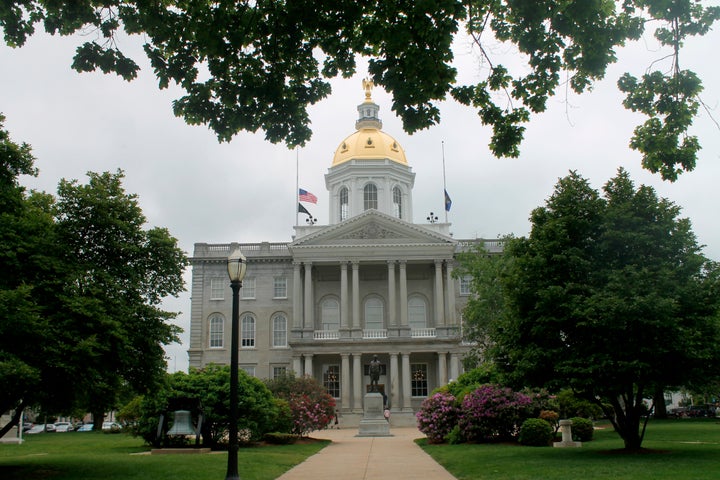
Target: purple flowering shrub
492	413
437	416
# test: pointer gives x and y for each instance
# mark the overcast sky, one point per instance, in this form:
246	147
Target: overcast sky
244	191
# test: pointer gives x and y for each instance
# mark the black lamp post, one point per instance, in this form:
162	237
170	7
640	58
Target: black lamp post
236	265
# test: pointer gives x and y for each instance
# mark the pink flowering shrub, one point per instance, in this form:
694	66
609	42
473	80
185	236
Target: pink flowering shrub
437	416
310	413
492	413
311	407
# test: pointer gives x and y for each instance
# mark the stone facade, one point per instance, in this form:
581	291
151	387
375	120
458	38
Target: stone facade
369	283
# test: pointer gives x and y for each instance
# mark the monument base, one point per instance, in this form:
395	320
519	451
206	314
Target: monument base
373	423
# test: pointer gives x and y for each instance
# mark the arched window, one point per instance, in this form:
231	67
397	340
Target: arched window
216	333
370	196
279	333
397	202
330	314
247	331
417	312
374	314
344	204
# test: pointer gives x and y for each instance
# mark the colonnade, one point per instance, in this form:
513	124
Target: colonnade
397	291
397	380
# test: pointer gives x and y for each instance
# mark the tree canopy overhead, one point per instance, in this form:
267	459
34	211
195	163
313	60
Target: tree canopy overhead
609	295
258	65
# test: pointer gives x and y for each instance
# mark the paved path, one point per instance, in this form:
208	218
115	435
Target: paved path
358	458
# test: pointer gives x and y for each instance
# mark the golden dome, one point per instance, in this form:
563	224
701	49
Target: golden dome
369	144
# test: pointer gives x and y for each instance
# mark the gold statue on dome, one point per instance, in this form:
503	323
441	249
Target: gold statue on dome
368	86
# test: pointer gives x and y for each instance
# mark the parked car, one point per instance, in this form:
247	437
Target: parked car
64	427
27	426
111	426
85	428
40	428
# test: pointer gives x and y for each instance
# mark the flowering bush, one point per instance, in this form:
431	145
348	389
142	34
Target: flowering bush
311	407
492	413
311	413
437	416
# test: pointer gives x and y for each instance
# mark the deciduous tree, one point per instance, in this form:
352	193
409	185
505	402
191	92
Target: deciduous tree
611	296
249	65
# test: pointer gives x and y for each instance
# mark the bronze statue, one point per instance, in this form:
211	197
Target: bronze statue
374	373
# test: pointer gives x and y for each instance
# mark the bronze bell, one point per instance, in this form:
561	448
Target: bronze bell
182	424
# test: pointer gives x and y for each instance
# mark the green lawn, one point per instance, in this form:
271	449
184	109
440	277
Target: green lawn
94	455
678	449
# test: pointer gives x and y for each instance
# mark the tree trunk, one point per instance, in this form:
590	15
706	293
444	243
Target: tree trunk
659	401
628	427
98	418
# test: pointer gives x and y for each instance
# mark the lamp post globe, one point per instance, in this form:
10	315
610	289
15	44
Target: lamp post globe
236	266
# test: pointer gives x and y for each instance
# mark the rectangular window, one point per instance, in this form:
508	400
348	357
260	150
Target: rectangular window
249	369
278	372
248	289
217	288
280	287
279	331
331	380
465	283
418	379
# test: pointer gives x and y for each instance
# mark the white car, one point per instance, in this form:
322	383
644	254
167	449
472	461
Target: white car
64	427
111	426
40	428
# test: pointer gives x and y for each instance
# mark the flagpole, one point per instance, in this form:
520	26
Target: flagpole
297	186
442	143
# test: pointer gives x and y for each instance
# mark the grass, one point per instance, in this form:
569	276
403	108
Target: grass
94	455
674	449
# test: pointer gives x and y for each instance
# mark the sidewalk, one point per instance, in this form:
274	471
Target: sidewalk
359	458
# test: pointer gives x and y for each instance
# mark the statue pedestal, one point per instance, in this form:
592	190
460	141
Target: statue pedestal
373	423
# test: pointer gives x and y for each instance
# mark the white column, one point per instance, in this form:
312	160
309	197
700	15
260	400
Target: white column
406	386
392	319
309	364
356	295
442	369
345	381
454	366
297	296
297	365
394	382
403	294
344	320
357	382
450	294
309	320
439	308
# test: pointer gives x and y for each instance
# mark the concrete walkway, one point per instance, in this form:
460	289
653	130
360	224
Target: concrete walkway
358	458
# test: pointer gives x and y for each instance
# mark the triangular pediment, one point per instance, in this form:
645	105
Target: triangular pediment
373	228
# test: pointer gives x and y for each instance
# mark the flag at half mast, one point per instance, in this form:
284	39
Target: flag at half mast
305	196
448	202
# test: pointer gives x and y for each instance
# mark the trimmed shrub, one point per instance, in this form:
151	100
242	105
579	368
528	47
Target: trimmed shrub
582	429
535	432
437	416
492	413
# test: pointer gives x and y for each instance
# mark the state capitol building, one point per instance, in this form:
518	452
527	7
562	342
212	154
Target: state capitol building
371	282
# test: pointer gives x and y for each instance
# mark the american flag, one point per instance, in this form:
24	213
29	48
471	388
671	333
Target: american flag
306	196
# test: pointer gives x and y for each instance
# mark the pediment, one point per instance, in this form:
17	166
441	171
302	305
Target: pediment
373	228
